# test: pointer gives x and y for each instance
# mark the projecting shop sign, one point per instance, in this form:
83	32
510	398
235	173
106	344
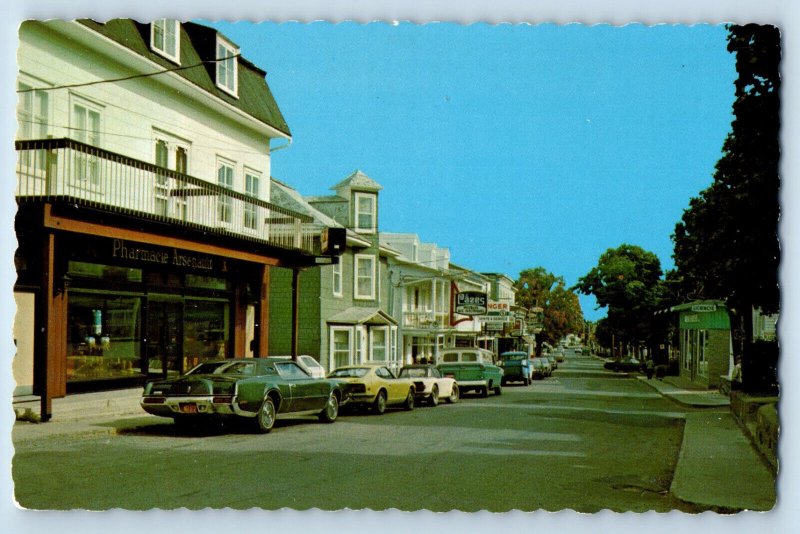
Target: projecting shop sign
471	303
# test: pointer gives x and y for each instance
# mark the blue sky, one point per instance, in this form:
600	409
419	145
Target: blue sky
515	146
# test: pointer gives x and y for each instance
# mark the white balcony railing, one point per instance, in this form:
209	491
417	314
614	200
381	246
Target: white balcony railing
425	319
70	171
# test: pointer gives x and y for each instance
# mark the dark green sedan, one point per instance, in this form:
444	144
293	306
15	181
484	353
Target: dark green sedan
250	389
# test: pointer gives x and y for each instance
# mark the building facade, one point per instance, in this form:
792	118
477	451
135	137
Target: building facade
705	342
345	317
421	282
145	228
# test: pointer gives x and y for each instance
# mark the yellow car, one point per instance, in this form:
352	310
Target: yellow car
376	386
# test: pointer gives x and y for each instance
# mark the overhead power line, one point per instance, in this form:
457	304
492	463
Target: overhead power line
126	78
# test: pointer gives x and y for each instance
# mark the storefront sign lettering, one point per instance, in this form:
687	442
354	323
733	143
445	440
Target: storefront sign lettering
704	308
121	249
471	303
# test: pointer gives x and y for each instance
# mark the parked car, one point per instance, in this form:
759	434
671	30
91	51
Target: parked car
374	385
473	369
429	384
553	361
624	365
547	369
537	368
251	389
559	356
516	367
309	363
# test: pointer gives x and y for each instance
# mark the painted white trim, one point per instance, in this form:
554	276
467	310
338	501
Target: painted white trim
177	57
374	213
337	270
356	260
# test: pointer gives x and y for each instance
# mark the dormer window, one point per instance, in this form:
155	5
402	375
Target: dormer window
227	74
165	38
365	213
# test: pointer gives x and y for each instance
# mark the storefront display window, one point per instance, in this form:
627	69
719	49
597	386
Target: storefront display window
206	331
103	337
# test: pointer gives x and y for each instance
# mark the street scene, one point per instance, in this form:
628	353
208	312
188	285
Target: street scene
393	267
562	442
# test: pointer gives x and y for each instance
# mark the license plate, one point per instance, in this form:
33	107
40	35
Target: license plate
189	408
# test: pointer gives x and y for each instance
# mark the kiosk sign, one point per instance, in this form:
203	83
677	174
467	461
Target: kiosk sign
471	303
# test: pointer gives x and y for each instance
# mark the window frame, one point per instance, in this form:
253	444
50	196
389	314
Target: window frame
92	138
251	210
176	39
357	260
373	213
225	202
222	66
337	279
332	345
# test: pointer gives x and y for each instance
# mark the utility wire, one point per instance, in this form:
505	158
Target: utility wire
126	78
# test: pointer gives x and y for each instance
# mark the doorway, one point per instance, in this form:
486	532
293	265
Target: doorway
165	338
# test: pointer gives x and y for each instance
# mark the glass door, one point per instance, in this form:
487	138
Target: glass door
165	337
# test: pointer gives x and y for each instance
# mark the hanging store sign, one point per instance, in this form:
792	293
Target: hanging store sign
471	303
704	308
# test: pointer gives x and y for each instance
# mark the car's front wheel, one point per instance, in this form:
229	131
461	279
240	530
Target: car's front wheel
331	410
434	398
266	415
484	391
379	405
498	390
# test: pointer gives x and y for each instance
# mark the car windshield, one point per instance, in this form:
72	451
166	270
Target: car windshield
224	368
537	362
413	372
514	356
350	372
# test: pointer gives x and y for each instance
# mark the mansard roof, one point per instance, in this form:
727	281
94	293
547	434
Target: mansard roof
198	47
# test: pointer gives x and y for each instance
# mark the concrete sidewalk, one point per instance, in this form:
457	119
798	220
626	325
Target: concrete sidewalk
717	466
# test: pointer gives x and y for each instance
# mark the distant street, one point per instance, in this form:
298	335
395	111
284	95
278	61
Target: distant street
583	439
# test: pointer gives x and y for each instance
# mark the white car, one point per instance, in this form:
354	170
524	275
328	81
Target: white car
429	384
309	364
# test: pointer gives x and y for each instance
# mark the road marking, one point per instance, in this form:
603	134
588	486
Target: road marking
547	388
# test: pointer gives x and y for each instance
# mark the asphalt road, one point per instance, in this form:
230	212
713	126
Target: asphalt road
583	439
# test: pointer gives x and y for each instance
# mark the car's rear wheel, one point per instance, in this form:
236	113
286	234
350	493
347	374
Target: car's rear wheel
266	415
434	398
379	405
454	393
331	410
409	403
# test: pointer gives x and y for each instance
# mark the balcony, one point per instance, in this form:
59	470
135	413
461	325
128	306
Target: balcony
63	170
425	319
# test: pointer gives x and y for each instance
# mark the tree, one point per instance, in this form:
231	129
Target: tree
562	312
726	244
627	281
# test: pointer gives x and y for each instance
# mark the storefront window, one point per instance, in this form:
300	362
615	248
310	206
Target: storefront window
103	339
206	331
108	273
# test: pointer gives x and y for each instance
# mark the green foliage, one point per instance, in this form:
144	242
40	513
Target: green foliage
562	310
627	281
726	244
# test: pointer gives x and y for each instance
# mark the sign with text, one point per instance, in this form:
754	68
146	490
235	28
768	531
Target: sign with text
703	308
471	303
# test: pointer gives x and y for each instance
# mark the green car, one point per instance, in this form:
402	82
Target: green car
473	369
250	389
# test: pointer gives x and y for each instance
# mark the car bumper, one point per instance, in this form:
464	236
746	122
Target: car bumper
193	406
